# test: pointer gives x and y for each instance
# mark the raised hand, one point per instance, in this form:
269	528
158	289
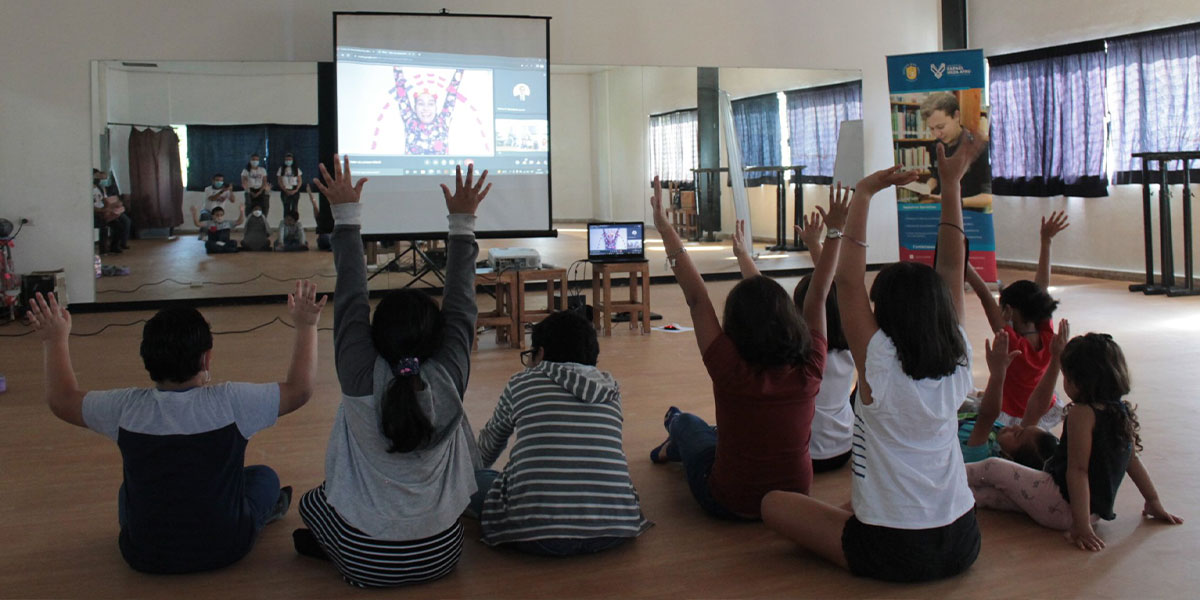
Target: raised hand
1060	339
839	208
1154	510
337	187
739	239
51	321
998	356
1051	226
661	222
810	231
467	193
871	184
953	168
303	304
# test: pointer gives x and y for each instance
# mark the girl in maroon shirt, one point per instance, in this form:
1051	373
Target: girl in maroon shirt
765	361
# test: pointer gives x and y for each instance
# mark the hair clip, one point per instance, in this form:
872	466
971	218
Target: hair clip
407	367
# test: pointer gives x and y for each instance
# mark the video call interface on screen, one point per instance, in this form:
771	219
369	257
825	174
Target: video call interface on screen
615	239
424	113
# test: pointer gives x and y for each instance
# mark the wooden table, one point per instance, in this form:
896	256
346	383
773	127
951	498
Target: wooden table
604	306
504	316
555	280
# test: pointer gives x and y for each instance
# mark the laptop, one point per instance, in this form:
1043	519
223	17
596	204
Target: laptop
615	242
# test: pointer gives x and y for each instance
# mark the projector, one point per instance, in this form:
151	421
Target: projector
514	259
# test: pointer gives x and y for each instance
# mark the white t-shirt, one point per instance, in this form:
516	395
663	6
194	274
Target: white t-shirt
256	176
289	181
833	418
907	463
97	197
209	202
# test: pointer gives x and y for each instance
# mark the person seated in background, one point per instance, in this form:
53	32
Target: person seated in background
256	237
1026	443
218	239
566	415
187	502
109	216
290	236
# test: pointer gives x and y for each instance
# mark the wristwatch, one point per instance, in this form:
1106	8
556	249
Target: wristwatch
833	233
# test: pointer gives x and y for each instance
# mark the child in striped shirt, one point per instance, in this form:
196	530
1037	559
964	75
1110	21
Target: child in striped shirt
566	488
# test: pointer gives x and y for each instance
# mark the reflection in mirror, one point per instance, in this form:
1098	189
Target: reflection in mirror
167	133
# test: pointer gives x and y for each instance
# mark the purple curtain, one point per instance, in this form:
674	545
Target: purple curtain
1154	95
1047	122
155	180
814	117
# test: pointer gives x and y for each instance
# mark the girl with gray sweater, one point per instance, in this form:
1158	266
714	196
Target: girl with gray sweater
400	466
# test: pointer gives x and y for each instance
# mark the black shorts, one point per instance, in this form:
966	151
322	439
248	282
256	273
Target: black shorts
909	555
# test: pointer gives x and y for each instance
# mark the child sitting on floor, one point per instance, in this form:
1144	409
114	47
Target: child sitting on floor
257	235
290	237
218	240
566	489
765	361
912	516
187	503
1099	446
1024	314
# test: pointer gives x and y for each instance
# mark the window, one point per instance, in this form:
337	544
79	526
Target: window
1047	123
814	118
1154	97
225	149
673	145
757	122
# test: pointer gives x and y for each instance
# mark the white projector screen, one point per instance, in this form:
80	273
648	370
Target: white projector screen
419	95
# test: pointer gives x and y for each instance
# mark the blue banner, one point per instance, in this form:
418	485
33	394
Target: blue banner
935	71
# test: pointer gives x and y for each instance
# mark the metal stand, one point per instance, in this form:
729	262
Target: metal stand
427	267
1166	284
781	225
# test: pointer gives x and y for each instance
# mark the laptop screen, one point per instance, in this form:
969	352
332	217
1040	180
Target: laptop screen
615	241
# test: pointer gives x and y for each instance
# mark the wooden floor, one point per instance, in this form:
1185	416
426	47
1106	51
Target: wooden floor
58	483
197	275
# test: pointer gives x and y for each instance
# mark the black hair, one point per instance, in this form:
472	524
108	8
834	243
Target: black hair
1095	365
216	175
914	309
216	209
252	155
407	324
834	334
1029	299
566	337
764	325
173	344
1035	454
289	169
293	214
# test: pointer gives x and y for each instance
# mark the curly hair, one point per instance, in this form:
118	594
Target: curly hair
1095	366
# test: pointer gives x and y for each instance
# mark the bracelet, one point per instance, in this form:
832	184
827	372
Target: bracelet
671	257
960	229
859	242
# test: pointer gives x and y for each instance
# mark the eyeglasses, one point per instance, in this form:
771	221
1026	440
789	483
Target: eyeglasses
527	357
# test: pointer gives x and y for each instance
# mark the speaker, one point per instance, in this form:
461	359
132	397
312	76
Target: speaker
33	283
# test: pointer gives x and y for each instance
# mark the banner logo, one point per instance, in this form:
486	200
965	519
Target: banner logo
938	70
911	72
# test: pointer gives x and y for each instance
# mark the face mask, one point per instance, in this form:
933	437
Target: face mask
254	163
103	183
257	213
218	184
287	163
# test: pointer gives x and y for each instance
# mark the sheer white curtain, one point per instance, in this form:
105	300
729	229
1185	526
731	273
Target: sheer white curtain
673	145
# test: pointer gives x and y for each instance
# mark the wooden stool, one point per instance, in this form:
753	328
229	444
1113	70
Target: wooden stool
554	278
504	317
604	306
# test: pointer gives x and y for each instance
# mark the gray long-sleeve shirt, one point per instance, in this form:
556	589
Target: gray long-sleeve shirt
410	495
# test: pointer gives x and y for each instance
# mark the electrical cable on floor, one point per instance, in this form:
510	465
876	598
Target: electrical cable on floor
189	283
140	321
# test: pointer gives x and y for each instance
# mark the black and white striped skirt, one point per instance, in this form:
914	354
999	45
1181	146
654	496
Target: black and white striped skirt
368	562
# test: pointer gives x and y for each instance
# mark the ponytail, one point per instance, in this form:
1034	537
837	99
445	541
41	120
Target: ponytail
404	425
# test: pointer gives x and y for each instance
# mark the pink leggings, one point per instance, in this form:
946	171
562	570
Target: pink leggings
1005	485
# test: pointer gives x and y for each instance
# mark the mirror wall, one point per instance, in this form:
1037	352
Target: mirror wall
601	165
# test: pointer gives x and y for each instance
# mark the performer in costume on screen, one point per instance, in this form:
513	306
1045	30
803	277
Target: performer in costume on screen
426	130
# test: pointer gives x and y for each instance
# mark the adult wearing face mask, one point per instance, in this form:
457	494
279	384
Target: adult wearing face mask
258	189
944	120
257	235
289	177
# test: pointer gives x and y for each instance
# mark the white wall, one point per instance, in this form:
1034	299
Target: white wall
571	145
1106	233
45	50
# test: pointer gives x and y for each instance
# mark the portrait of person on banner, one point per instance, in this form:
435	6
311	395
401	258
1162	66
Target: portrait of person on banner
924	121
